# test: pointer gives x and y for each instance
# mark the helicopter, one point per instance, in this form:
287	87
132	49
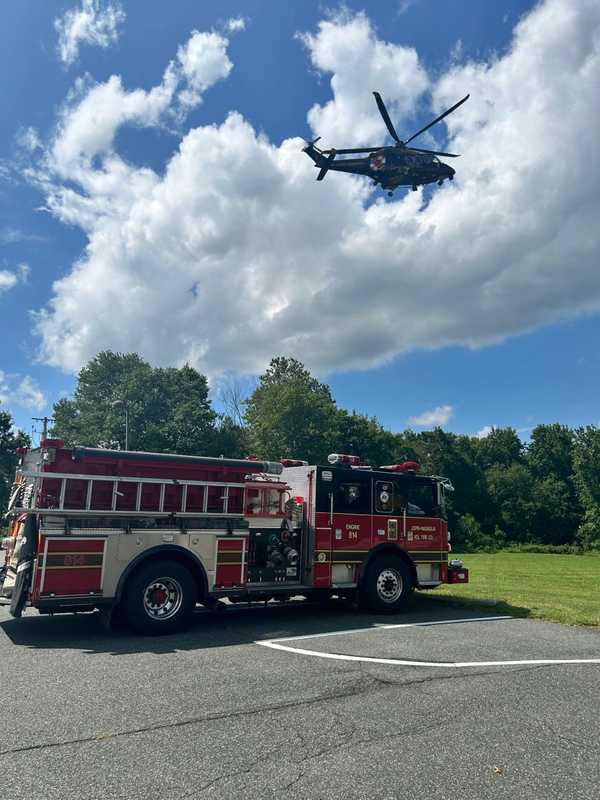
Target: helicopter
389	165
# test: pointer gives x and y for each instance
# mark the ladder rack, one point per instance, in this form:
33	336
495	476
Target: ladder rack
211	498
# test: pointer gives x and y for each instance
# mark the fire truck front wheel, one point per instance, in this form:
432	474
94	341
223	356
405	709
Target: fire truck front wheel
387	585
160	598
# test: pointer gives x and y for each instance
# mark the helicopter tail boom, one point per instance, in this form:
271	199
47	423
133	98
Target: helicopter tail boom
320	160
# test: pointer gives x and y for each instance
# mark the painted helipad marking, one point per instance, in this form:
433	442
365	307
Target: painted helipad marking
276	644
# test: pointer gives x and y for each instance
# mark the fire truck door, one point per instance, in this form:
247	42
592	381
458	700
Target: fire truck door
352	526
323	538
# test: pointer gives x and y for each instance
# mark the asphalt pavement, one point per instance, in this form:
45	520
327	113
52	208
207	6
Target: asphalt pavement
380	707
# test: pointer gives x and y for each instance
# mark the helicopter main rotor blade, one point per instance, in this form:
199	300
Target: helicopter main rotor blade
435	152
437	119
386	117
354	150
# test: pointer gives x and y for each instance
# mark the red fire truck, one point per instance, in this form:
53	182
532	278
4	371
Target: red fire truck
155	534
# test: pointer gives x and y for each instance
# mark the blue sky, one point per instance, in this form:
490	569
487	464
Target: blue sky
530	355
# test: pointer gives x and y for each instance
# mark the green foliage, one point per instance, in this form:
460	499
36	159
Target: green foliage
550	452
10	440
470	538
501	447
586	468
364	436
168	408
291	414
556	549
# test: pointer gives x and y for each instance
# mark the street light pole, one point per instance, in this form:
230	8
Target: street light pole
123	403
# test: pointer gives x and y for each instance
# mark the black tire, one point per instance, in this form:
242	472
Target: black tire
387	585
160	598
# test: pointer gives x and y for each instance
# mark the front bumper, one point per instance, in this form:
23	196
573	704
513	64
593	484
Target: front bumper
457	573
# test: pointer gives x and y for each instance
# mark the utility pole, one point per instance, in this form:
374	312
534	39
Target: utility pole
45	421
124	404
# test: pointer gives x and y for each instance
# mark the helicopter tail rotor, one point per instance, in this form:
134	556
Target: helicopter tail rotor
310	145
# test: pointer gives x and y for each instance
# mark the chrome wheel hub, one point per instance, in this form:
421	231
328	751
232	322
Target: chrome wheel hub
389	585
163	598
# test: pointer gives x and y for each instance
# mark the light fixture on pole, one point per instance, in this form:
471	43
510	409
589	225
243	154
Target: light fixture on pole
115	404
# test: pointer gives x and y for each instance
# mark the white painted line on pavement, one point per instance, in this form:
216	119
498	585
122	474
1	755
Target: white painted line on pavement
276	644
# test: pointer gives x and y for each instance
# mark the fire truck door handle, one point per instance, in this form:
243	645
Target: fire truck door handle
331	508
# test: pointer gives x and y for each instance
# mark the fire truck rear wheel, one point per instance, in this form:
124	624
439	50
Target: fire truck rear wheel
387	585
160	598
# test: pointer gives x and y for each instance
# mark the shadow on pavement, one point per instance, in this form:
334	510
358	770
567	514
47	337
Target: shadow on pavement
472	604
237	625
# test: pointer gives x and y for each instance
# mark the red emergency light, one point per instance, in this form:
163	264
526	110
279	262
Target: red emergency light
293	462
406	466
342	458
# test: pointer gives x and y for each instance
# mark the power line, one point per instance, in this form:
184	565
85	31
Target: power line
45	421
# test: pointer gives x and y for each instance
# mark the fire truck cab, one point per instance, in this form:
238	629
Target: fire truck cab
152	535
377	532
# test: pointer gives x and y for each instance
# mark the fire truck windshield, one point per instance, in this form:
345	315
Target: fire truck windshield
422	500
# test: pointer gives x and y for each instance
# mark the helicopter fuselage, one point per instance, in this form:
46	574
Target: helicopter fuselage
390	167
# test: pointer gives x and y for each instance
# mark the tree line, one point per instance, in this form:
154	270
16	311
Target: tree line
507	493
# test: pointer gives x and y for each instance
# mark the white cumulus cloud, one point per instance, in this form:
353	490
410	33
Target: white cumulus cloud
484	432
235	24
22	391
234	253
203	61
347	48
10	278
92	23
433	418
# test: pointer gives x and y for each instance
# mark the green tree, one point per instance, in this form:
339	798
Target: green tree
290	413
10	441
557	510
550	451
365	437
510	490
469	537
586	466
501	446
168	408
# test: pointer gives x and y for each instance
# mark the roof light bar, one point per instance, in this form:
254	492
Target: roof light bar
293	462
406	466
343	458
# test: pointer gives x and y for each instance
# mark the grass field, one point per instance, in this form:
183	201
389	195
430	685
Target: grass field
562	588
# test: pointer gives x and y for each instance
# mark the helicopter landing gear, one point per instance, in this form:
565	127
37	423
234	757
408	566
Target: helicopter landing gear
440	182
450	177
414	188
